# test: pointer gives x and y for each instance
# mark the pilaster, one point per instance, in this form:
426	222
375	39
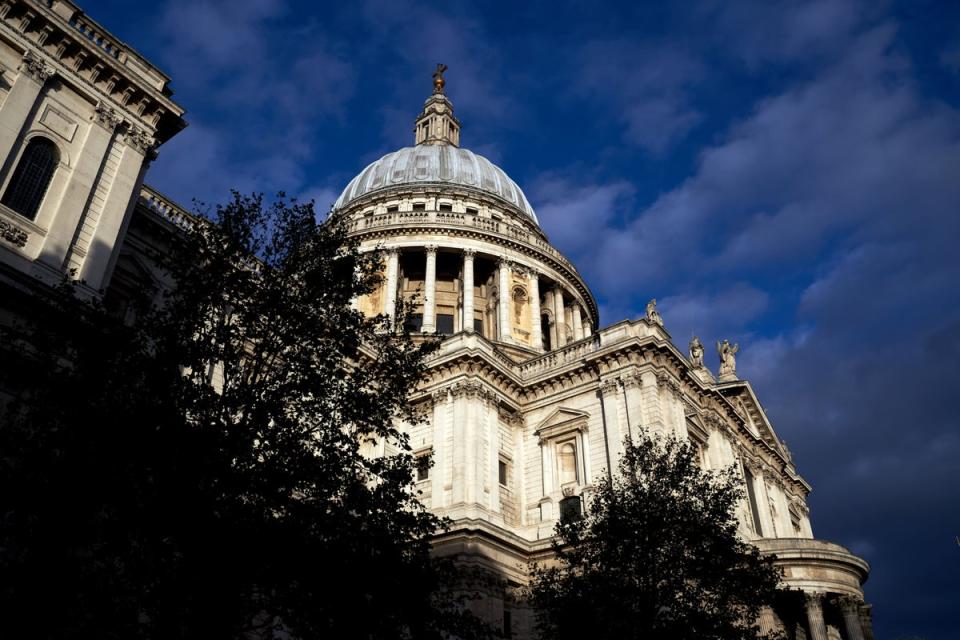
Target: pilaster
613	432
71	232
117	208
19	103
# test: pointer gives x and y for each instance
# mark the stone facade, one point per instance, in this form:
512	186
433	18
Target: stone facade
528	399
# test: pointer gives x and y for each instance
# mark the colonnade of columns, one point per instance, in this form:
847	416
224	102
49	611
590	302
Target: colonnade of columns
568	318
849	607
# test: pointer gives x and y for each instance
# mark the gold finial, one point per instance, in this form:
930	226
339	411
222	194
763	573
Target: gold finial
438	80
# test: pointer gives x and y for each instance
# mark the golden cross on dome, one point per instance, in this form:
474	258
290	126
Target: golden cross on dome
438	80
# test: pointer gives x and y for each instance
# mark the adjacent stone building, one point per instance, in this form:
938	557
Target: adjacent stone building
529	397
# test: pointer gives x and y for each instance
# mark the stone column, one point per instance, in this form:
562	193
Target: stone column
559	315
850	606
552	326
814	602
536	333
440	426
587	330
768	622
467	323
577	322
18	104
393	269
504	308
430	291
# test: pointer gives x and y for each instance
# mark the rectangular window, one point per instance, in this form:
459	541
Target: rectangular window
414	322
423	468
503	473
446	207
478	325
445	324
472	210
507	624
393	208
570	509
419	206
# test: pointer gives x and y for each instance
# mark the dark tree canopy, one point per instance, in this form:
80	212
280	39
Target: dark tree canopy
202	473
656	556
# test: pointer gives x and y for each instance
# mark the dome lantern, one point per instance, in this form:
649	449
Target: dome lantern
436	124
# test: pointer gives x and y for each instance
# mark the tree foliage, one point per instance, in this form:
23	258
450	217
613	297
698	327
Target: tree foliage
202	473
656	556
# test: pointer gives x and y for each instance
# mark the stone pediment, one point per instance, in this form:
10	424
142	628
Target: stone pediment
746	404
561	422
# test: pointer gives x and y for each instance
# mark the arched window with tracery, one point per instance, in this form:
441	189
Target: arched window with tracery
32	177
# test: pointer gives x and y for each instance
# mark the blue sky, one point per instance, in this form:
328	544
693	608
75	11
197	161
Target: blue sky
783	174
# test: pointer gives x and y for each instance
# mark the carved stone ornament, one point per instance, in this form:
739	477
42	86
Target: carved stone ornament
430	248
849	603
608	386
663	380
631	381
12	234
34	67
139	139
814	600
107	116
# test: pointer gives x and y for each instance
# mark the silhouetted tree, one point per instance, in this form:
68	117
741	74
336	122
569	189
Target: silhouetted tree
656	556
204	472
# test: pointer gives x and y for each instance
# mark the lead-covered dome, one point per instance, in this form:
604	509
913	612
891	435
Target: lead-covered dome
440	164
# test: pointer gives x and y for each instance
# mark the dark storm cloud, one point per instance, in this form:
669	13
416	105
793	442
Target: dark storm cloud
848	183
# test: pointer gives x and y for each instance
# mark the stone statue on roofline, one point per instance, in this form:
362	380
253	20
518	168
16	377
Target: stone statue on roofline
652	314
696	353
728	360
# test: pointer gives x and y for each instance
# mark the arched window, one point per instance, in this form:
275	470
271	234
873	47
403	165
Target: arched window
568	463
32	177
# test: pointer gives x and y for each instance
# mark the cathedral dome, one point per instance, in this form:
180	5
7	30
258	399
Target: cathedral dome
436	164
